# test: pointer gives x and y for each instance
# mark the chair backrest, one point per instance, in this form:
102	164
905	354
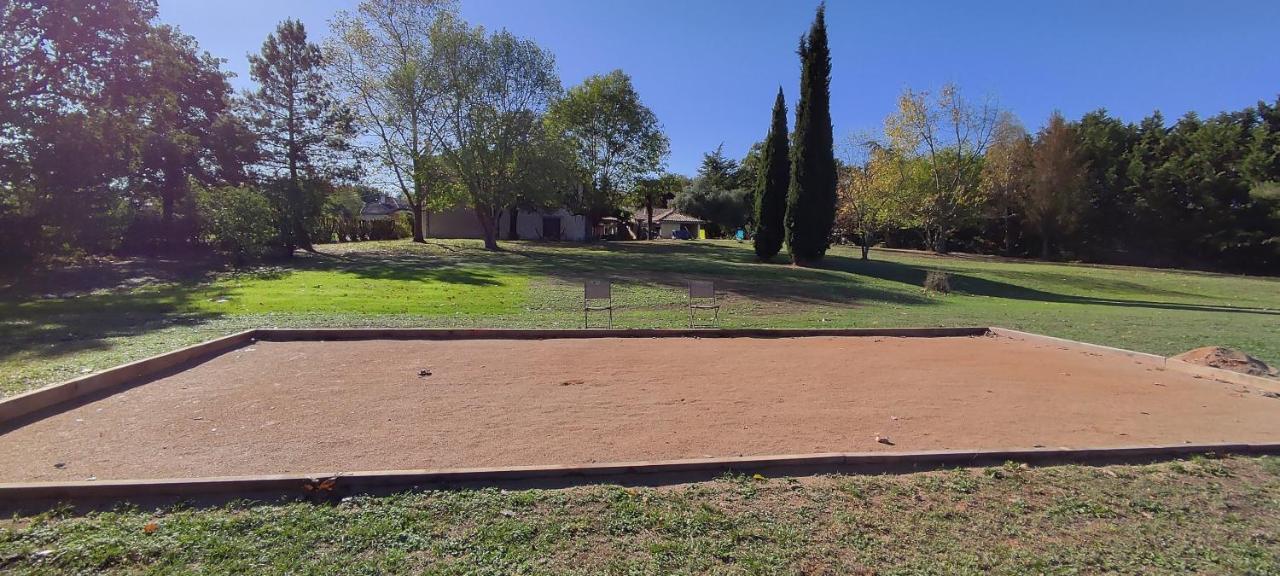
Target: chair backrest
702	289
598	290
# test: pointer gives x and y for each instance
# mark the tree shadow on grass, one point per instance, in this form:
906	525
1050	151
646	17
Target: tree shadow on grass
51	327
913	275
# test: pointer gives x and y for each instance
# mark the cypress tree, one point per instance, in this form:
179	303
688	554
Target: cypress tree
771	184
811	197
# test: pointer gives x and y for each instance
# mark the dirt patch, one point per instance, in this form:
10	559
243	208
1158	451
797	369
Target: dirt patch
1227	359
304	407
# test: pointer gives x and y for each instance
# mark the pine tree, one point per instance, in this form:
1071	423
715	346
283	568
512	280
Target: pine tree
771	184
305	132
811	197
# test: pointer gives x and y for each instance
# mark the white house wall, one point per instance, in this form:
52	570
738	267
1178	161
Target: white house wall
462	223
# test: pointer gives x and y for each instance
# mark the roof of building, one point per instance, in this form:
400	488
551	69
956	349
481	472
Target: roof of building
382	209
664	215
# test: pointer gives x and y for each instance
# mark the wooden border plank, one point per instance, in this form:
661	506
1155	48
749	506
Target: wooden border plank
23	404
302	334
1075	345
1266	384
31	495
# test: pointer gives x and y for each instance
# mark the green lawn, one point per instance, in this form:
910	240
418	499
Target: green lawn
78	321
1199	516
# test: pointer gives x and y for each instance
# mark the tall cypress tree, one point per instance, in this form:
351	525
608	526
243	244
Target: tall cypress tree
771	184
811	197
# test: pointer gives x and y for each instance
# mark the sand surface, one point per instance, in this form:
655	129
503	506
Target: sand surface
278	407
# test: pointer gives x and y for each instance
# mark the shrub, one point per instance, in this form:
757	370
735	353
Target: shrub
239	221
937	281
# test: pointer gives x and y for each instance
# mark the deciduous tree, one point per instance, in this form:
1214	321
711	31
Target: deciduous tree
493	92
950	135
1054	199
380	57
615	137
1006	173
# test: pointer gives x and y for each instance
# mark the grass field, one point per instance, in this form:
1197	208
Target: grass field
1198	516
76	321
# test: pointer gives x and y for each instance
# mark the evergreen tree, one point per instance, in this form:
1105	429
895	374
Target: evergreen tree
305	132
811	196
774	175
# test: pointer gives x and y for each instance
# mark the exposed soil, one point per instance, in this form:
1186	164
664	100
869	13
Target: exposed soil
279	407
1227	359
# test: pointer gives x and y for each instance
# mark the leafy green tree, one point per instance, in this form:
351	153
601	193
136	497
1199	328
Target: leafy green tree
947	136
304	132
380	60
875	193
772	178
494	92
238	220
716	194
615	137
1105	144
811	195
184	113
648	192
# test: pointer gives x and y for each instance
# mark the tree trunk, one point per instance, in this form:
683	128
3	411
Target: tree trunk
1008	233
940	243
489	228
866	245
513	224
1044	244
418	235
648	231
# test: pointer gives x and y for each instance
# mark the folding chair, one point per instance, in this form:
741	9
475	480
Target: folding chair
597	290
702	296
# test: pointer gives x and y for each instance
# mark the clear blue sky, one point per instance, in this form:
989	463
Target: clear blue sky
710	68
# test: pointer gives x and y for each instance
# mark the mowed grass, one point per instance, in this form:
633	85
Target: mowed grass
76	321
1200	516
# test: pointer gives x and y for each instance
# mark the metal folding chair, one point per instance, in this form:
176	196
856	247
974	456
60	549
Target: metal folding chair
702	296
597	290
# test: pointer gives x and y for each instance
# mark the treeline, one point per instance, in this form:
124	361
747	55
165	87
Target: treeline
949	174
120	134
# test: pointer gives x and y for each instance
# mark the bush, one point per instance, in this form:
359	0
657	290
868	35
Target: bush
937	281
239	221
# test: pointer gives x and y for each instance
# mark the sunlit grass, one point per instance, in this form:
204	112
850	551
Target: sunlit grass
62	331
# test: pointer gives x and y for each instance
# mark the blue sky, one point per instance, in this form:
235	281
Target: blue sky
709	68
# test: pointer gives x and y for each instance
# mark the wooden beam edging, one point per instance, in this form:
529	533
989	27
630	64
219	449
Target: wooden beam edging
41	398
34	495
298	334
1219	374
1267	384
1075	344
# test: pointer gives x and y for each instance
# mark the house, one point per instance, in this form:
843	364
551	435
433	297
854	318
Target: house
386	208
461	222
667	223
